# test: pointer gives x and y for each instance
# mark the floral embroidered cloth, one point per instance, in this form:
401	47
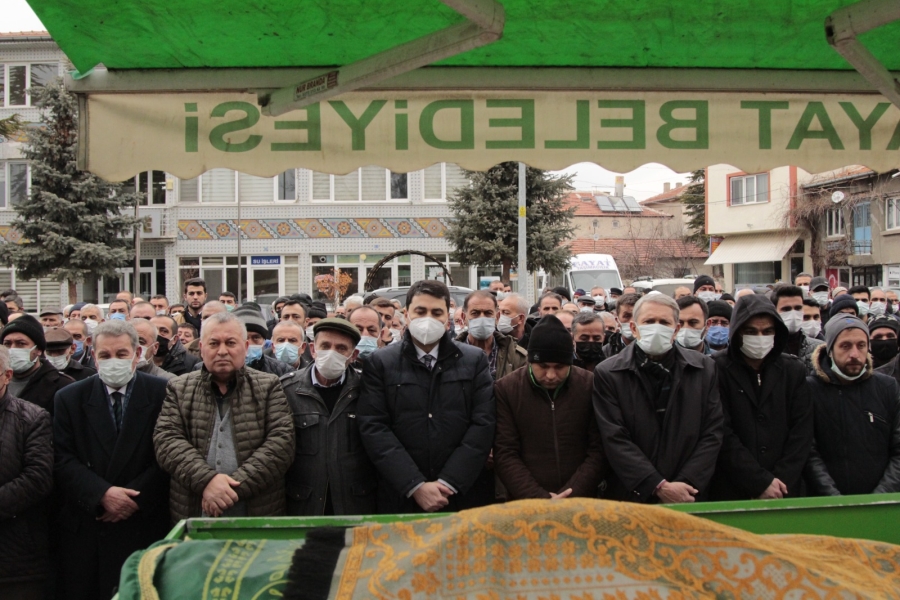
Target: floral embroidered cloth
535	550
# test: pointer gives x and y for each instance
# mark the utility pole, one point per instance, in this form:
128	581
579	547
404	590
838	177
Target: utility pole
240	266
136	285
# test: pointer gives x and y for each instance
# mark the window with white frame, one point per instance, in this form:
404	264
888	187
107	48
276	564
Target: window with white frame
750	189
17	79
152	184
15	183
219	186
440	181
834	222
892	213
368	184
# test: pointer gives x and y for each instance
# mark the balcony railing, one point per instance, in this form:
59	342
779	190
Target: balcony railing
862	247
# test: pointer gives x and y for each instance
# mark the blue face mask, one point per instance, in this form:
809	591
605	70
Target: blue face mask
287	353
117	317
717	336
79	348
366	346
267	345
253	353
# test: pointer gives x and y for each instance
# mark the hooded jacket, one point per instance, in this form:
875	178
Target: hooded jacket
857	432
768	414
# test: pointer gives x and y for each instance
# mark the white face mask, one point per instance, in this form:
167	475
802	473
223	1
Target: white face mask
811	328
59	362
877	308
426	330
708	296
482	328
599	299
310	336
91	325
626	331
836	370
821	298
805	290
143	359
587	309
20	360
689	338
792	319
397	334
656	339
115	372
863	308
330	363
504	324
160	313
757	346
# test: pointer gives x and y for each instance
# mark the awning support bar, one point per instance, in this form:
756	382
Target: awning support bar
844	25
483	25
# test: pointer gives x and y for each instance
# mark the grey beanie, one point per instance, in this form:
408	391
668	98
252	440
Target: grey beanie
837	324
252	320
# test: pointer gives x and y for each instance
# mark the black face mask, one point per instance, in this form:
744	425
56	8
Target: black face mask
884	350
589	351
163	346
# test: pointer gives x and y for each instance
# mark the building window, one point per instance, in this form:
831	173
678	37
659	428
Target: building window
892	213
441	181
750	189
862	229
15	182
152	184
16	80
757	273
368	184
834	222
287	185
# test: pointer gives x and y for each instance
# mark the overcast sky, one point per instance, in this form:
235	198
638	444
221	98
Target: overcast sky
642	183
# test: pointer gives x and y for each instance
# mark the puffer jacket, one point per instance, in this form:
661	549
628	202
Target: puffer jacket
263	431
808	345
857	432
330	458
26	479
178	361
510	355
768	414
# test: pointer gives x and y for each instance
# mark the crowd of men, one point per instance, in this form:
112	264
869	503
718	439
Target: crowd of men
115	424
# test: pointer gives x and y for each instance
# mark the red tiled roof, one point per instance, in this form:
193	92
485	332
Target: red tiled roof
672	194
586	206
644	250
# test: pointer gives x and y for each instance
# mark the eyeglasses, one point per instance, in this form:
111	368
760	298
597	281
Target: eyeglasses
718	322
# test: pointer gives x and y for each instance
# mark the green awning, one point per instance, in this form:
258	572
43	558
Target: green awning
201	34
260	87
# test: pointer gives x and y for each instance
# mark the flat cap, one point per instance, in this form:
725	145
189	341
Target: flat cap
58	338
339	326
51	310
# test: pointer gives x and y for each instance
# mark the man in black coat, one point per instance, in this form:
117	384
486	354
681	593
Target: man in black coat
658	409
768	411
115	496
34	379
426	412
857	416
26	479
60	348
171	355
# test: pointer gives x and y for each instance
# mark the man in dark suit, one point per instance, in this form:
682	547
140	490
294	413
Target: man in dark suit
114	495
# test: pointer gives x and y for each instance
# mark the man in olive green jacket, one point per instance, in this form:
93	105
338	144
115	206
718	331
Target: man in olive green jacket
225	434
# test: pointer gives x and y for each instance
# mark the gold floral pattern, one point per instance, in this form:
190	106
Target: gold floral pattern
596	550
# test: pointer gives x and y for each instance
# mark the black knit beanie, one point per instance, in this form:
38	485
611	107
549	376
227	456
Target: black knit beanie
29	326
550	342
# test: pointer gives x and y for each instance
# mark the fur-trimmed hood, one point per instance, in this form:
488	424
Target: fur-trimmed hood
822	364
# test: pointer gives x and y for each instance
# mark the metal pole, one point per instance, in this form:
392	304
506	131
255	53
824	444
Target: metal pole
136	284
521	268
240	266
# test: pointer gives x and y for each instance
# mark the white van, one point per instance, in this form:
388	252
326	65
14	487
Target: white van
585	272
665	286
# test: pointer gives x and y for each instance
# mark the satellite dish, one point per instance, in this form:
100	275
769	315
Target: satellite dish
837	196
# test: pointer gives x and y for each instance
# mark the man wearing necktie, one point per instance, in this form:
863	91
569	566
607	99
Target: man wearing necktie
114	492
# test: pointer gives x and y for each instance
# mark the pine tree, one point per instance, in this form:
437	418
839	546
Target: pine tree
485	230
694	200
72	222
10	126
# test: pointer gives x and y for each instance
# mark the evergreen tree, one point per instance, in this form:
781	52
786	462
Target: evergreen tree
485	230
72	223
9	127
694	200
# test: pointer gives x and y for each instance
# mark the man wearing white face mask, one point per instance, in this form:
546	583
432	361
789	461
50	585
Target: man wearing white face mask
504	355
767	406
34	378
659	413
513	319
620	340
788	301
427	412
330	460
60	348
857	423
863	297
115	494
705	288
692	316
147	335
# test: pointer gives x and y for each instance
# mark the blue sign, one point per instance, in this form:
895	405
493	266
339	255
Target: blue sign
265	260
